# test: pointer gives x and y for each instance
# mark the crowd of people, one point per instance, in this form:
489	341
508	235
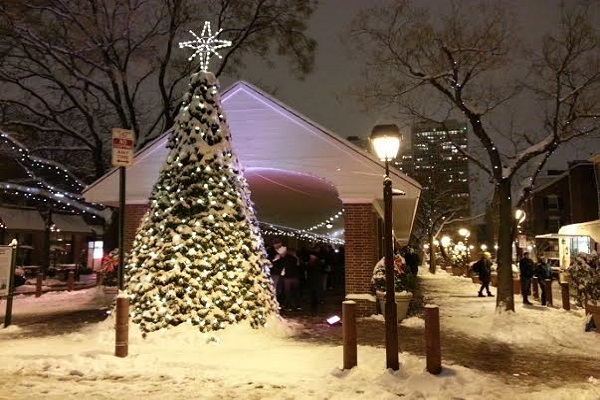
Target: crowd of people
309	271
527	271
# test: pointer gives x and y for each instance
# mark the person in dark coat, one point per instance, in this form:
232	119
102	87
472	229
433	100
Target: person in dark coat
526	271
291	273
314	279
483	267
412	261
276	268
542	272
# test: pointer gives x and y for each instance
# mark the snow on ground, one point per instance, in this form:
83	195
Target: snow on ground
532	326
243	363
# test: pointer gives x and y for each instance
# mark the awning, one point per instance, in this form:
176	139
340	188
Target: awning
97	229
14	218
299	173
591	229
71	223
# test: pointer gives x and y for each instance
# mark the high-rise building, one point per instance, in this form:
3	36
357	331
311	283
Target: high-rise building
433	158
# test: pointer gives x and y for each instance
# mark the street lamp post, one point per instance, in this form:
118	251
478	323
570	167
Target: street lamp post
464	232
386	142
520	217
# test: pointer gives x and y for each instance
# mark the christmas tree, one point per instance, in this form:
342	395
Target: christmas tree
198	256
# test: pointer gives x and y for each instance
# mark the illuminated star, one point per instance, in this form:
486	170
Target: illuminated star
205	45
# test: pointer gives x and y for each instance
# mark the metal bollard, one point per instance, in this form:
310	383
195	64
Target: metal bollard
122	327
535	289
548	283
71	281
433	350
38	284
564	291
349	333
98	278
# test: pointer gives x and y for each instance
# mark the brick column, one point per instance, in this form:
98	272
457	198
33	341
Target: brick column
361	254
133	217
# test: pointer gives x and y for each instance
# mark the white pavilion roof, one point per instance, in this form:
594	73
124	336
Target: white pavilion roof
299	172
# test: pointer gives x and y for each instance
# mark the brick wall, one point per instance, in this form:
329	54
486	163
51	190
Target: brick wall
133	216
361	252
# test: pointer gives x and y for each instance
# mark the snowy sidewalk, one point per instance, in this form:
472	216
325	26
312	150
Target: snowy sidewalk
535	344
272	363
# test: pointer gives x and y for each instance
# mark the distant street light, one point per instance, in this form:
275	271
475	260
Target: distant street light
386	142
464	232
445	241
520	216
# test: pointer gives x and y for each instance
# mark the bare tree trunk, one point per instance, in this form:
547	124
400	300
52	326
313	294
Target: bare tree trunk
505	299
432	266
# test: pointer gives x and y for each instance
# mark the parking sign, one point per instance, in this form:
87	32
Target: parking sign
122	147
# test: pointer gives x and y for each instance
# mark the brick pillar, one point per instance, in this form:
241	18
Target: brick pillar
361	254
133	217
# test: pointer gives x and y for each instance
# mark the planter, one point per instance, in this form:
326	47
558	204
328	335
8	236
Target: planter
110	289
475	279
402	302
458	271
494	279
595	311
516	286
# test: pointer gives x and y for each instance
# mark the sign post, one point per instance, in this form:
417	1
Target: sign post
122	156
8	256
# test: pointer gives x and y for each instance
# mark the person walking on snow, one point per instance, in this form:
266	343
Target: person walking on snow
483	267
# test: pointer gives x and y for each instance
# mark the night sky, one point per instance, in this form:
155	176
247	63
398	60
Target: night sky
324	95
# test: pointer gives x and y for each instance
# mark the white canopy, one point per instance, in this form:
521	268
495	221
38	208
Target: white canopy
23	219
299	173
591	229
71	223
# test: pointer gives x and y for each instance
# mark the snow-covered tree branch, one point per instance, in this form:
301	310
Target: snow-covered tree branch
80	68
479	70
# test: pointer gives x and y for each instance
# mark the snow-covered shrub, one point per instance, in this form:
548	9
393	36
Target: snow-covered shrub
404	281
459	255
109	268
585	275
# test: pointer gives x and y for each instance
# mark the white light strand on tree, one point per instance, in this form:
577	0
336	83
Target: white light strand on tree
205	45
42	191
198	256
63	203
28	161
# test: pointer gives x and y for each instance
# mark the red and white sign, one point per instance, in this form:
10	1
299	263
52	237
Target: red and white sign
122	147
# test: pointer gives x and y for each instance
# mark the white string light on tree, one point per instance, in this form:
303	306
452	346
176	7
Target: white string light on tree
205	45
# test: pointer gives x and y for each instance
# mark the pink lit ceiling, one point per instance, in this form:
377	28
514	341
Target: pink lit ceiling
291	199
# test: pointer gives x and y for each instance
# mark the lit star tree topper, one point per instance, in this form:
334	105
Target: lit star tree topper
205	45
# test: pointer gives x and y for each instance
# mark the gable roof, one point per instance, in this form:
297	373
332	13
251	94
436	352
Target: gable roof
282	152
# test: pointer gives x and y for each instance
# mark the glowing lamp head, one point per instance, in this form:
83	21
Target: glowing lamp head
520	215
385	140
445	241
464	232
